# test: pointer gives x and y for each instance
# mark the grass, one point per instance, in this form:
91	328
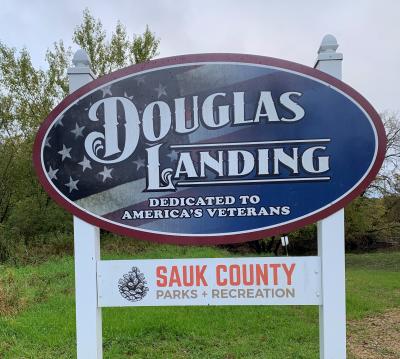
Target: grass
373	283
37	316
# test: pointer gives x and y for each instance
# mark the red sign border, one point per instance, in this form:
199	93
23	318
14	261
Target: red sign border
213	239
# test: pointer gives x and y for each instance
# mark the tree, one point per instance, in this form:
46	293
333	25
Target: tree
365	222
28	94
120	51
385	182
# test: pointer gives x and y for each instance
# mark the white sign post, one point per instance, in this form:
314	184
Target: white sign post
332	312
329	267
86	252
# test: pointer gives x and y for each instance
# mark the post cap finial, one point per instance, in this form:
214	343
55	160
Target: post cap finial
328	44
81	59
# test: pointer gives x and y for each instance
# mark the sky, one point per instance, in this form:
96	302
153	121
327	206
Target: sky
367	31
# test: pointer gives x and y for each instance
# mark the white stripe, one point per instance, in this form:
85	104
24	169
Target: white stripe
115	198
205	183
228	144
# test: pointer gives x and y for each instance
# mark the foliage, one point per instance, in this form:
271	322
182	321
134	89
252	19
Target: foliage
27	95
364	221
387	181
106	56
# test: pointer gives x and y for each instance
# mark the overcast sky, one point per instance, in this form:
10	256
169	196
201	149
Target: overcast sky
367	31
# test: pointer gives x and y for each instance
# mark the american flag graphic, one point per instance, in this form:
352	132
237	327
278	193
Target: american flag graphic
106	189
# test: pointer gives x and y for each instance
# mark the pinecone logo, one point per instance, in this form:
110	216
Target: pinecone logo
133	285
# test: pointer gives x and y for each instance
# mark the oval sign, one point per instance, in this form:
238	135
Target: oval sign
209	149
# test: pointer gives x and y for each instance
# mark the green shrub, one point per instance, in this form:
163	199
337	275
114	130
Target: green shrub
30	218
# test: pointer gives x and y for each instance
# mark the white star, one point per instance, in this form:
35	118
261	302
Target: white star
72	184
52	173
59	121
47	142
173	155
65	152
106	173
77	131
140	80
139	163
106	90
126	95
85	163
160	90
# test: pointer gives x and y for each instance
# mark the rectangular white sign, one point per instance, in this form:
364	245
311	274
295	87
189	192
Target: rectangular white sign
210	281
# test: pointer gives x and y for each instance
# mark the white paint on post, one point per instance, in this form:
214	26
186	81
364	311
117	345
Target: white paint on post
88	314
86	251
80	74
332	312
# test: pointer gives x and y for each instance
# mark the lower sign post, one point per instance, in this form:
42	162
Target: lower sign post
332	312
88	314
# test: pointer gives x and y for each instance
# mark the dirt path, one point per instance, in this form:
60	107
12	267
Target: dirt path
375	337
